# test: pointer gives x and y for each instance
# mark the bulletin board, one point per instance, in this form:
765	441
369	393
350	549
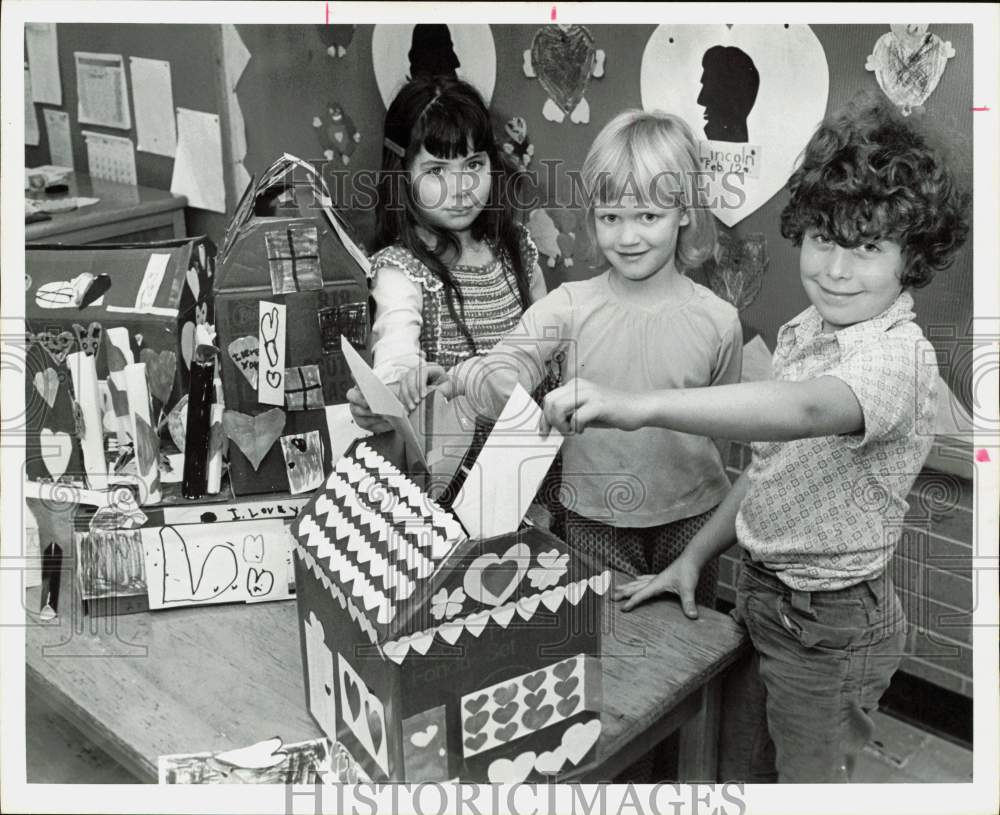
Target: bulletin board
292	78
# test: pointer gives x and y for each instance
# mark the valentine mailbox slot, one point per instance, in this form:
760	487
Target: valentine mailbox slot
433	656
291	282
116	305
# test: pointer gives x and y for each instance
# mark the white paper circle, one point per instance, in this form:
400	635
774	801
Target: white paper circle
473	46
791	102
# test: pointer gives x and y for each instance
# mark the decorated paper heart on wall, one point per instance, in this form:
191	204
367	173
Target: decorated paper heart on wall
47	384
56	449
254	435
56	345
491	579
245	354
752	94
563	58
908	64
160	371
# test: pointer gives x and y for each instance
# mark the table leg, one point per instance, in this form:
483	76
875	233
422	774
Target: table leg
698	758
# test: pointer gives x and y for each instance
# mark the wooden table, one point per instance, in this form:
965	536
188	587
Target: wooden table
215	678
125	214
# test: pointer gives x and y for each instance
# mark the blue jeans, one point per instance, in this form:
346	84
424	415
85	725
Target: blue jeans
801	712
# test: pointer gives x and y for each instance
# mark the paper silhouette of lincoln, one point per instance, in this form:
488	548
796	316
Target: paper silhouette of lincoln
729	85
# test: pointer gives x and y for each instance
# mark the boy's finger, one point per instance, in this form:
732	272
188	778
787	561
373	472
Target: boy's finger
688	605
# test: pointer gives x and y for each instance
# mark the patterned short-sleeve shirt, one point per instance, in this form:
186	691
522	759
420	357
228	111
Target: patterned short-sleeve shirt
826	513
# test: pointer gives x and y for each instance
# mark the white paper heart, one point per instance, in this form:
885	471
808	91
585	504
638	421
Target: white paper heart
526	606
56	451
187	343
503	615
47	385
550	763
505	771
553	598
579	738
475	623
451	631
421	642
789	103
600	582
395	650
574	591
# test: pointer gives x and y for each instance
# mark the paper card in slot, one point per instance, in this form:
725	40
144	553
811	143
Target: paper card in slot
303	461
508	471
293	259
271	366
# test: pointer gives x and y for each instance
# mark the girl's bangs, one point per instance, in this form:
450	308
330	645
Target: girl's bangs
448	132
631	175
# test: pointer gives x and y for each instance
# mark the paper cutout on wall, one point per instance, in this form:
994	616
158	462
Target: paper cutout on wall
201	565
47	385
564	58
551	567
198	161
465	51
245	352
56	447
752	94
293	259
361	710
254	435
336	38
425	747
338	135
303	388
737	271
235	58
320	675
153	100
303	461
518	145
56	345
908	63
271	363
267	762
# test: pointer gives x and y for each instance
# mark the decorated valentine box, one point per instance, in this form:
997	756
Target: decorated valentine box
291	282
431	655
116	304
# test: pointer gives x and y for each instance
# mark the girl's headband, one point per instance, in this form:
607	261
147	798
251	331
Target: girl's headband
392	147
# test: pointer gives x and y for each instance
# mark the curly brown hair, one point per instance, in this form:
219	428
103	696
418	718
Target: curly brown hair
868	174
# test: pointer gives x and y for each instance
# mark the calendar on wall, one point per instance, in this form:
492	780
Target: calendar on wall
111	158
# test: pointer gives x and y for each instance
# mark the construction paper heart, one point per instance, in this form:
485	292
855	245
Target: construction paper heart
563	58
374	725
254	435
89	338
567	706
550	763
259	583
245	354
565	669
177	422
47	384
535	719
750	133
534	699
187	343
180	583
147	446
193	281
578	739
505	693
506	733
575	591
491	579
57	346
353	695
161	369
475	742
908	64
506	713
56	447
475	705
567	686
259	756
476	723
534	682
505	771
424	737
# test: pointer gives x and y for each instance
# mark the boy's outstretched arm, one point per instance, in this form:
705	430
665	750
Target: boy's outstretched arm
681	576
750	411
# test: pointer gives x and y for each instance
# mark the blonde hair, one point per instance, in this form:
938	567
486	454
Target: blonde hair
653	156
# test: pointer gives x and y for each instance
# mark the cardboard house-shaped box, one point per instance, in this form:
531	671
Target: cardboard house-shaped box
291	283
154	293
433	656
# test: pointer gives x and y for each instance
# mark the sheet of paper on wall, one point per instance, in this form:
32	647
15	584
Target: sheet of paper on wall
232	562
42	50
508	471
58	133
30	117
235	58
153	98
111	158
756	361
198	161
101	90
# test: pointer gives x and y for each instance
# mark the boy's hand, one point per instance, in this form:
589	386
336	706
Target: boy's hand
579	404
416	383
680	578
363	416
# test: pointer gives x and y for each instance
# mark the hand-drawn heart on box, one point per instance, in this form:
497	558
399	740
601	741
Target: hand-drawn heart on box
563	58
245	354
491	579
254	435
752	94
218	569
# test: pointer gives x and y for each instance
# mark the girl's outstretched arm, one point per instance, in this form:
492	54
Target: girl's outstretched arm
751	411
